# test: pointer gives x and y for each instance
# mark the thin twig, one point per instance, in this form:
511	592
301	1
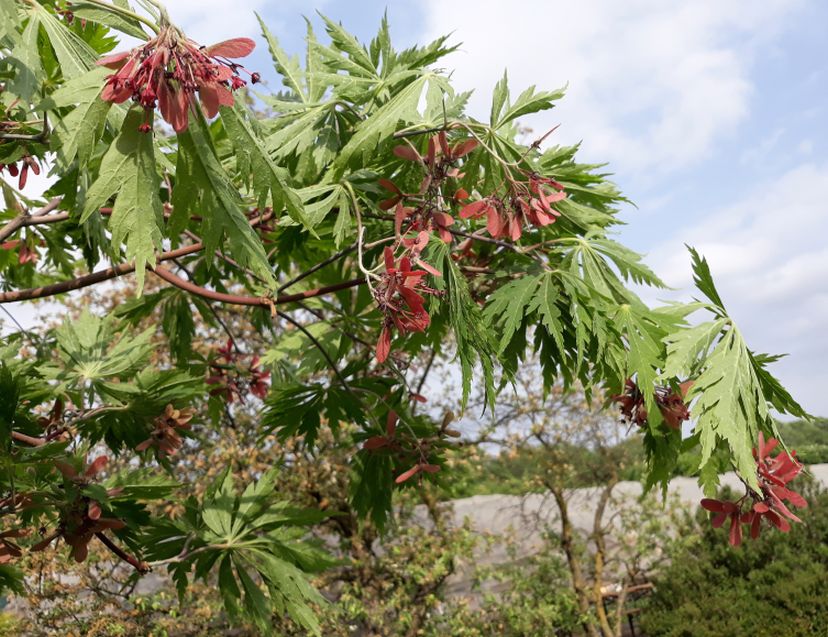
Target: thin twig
318	266
318	346
89	279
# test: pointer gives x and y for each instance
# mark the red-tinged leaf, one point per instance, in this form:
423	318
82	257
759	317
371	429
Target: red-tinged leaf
66	469
444	147
44	543
235	48
96	466
515	228
387	204
429	268
430	468
425	184
719	519
735	538
114	61
432	151
409	153
375	442
391	423
461	195
494	223
80	549
717	506
388	256
756	526
383	344
443	219
400	214
413	471
94	511
464	148
779	522
212	96
389	185
110	523
412	299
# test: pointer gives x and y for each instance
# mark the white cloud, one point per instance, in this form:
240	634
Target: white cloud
769	258
209	21
652	84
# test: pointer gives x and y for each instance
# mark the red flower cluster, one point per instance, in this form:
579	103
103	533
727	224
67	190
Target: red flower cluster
168	70
232	379
529	202
81	518
670	404
22	172
399	299
773	475
165	437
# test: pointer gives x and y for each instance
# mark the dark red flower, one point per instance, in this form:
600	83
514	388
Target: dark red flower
167	71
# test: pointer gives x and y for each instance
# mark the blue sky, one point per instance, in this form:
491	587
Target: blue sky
711	113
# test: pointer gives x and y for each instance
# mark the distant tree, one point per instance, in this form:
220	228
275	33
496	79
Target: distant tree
776	585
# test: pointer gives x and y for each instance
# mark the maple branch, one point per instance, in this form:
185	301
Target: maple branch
141	567
89	279
238	299
317	345
29	440
318	266
27	219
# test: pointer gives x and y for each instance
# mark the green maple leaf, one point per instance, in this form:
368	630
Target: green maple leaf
128	173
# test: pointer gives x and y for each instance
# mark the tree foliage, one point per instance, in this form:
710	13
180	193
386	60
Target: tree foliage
365	221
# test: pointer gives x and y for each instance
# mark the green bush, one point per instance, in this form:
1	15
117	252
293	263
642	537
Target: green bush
775	585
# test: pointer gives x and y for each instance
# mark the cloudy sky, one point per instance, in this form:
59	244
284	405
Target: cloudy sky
712	114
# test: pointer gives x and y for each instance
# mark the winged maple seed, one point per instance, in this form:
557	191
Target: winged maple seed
27	162
670	404
81	516
167	72
525	202
403	447
773	475
230	378
165	437
398	295
429	213
8	549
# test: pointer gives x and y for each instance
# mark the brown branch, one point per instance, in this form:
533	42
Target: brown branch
29	440
89	279
27	219
237	299
318	266
141	567
317	345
